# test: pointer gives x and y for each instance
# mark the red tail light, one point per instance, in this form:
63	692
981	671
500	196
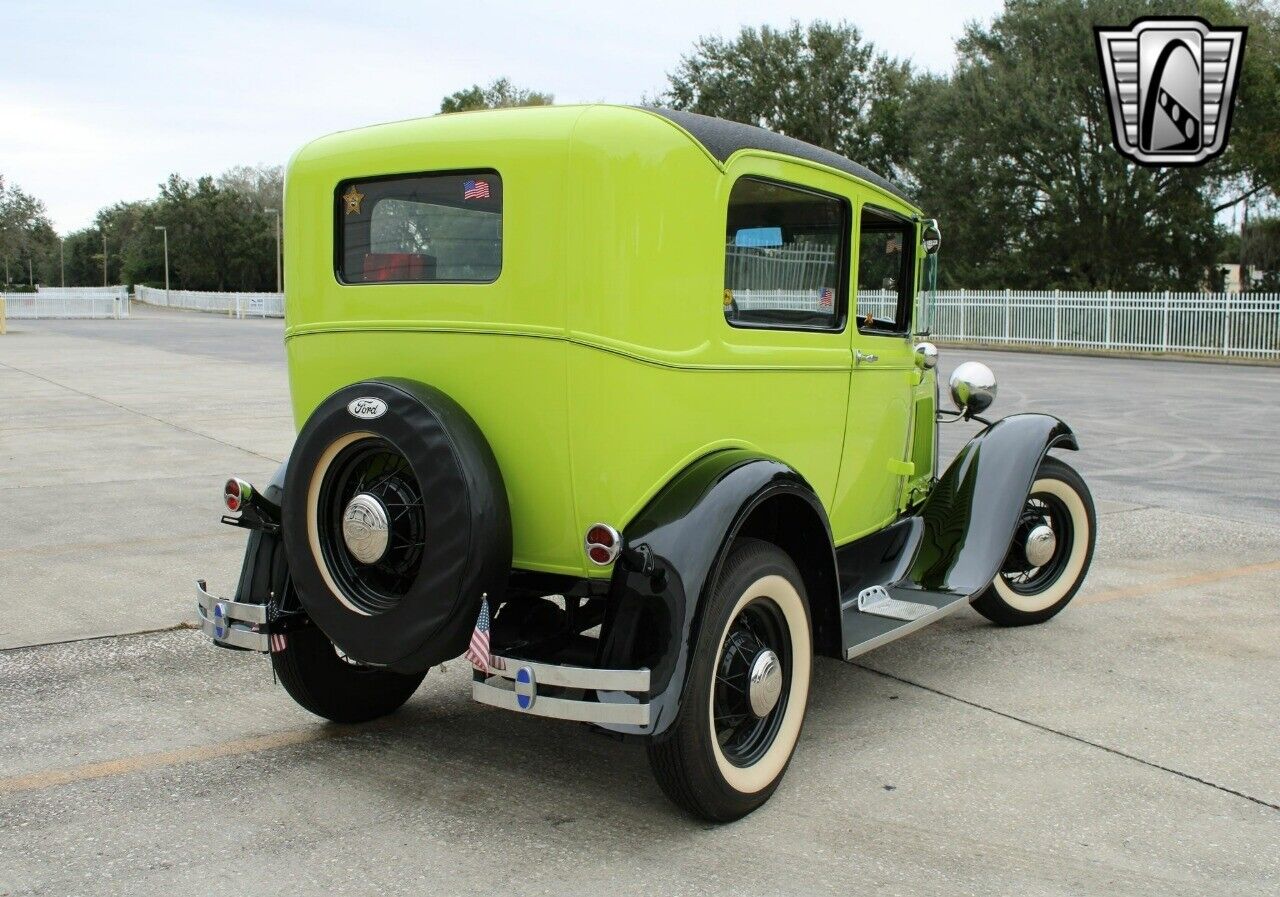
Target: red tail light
235	493
602	544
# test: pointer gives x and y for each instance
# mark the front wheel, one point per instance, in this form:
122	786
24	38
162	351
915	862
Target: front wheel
1051	551
748	687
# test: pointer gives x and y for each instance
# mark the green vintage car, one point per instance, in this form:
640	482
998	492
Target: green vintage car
629	406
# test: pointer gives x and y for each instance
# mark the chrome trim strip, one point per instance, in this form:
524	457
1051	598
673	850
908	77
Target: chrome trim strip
905	629
575	677
562	708
239	616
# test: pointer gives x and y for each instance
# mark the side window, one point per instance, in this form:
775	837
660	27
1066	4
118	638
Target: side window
785	251
885	262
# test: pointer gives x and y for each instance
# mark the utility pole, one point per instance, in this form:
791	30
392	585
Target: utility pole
62	259
104	258
1244	231
161	227
31	279
279	285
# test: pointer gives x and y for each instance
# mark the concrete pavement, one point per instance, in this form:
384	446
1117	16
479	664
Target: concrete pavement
1128	746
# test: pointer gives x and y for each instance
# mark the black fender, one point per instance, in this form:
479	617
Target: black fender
972	512
265	569
674	549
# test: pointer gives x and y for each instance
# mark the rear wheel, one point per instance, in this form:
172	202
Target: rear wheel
326	682
1051	551
748	688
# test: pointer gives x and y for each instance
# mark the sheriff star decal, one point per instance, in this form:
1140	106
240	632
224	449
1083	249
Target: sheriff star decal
353	198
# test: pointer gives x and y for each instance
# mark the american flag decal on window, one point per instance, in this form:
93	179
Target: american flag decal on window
827	299
476	189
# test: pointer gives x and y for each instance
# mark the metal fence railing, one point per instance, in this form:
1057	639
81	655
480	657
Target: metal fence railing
68	302
1231	325
240	305
1234	325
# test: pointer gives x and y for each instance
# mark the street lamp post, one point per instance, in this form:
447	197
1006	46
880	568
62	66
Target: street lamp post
62	259
104	258
161	227
279	285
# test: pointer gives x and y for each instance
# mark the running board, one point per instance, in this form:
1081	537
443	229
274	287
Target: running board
865	630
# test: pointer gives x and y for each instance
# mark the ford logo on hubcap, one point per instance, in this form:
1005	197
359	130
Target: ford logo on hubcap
366	528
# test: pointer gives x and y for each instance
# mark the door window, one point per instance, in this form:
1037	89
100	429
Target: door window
885	266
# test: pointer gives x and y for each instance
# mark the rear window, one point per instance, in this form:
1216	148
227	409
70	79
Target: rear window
427	228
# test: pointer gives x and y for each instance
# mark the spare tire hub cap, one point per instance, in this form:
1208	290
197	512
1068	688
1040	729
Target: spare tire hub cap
366	528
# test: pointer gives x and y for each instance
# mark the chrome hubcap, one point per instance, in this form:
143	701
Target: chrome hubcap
764	684
1040	545
366	528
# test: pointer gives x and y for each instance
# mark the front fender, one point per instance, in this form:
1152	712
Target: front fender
972	512
674	550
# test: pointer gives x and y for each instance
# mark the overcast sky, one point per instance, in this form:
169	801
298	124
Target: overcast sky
102	100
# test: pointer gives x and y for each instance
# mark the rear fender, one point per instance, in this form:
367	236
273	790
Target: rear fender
265	569
674	549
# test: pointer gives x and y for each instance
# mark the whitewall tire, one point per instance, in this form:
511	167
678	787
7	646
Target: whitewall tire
748	689
1051	551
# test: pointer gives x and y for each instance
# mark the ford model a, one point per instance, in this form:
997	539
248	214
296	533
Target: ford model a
627	405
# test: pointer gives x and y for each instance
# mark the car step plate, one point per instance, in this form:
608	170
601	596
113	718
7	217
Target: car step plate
877	601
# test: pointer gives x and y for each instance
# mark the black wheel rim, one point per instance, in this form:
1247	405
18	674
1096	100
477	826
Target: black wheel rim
743	737
1023	577
376	467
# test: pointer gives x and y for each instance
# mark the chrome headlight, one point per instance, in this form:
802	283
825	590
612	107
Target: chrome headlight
973	387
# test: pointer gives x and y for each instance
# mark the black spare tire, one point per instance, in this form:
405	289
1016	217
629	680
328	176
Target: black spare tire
395	522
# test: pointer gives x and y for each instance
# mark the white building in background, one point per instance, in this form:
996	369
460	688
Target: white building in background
1231	277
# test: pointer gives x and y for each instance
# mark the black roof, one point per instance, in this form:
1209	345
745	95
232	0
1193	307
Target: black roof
723	138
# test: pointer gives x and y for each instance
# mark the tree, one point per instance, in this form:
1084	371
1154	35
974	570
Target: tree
501	94
28	242
1014	155
821	83
1252	160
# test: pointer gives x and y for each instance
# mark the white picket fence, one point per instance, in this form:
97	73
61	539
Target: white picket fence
239	305
68	302
1232	325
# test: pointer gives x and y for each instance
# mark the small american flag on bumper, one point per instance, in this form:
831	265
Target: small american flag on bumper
478	651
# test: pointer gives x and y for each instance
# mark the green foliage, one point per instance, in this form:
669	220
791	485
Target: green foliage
821	83
1254	147
1012	151
28	243
220	236
501	94
1014	154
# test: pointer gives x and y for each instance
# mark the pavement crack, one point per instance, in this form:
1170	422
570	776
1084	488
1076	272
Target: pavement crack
128	410
173	627
1076	738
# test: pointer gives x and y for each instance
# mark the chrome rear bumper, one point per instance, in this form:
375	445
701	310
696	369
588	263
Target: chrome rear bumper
618	694
232	623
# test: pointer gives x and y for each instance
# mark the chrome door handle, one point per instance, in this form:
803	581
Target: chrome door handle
859	358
